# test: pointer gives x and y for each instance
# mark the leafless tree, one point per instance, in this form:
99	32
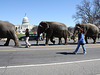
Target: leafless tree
96	12
34	29
88	12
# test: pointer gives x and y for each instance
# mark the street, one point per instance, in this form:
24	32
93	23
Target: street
49	60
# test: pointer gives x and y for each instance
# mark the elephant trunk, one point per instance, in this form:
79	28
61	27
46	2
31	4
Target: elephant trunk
38	35
74	35
16	41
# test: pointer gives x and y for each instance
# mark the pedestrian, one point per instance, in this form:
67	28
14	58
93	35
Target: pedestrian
41	37
81	41
27	38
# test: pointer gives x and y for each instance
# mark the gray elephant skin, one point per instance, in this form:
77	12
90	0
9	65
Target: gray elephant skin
7	30
89	30
52	29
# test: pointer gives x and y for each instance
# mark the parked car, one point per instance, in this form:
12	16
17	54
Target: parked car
31	37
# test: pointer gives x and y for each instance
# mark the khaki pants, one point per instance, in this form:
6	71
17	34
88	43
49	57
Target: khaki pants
26	41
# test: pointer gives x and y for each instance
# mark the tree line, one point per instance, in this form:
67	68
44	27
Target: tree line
88	12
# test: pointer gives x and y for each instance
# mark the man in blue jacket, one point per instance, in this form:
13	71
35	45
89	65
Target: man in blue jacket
81	41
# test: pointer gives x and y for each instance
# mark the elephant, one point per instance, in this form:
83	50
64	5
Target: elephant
8	30
52	29
89	30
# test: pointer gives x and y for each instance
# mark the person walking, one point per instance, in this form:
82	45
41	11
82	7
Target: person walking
41	37
27	38
81	41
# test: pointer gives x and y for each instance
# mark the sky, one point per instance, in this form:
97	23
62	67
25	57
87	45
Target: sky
38	10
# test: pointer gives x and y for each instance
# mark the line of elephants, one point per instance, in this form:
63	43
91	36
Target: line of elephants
52	29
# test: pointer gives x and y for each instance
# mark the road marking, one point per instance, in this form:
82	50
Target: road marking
51	64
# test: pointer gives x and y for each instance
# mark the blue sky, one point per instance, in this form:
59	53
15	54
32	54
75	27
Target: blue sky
38	10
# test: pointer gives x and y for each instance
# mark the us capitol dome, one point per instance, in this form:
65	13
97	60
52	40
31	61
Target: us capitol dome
25	21
25	24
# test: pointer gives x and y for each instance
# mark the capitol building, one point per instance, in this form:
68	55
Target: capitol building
25	24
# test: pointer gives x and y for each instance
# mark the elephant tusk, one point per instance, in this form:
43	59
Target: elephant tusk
41	26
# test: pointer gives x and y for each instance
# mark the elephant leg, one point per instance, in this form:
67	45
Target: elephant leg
47	39
37	41
60	42
86	39
65	40
16	42
7	42
51	39
94	39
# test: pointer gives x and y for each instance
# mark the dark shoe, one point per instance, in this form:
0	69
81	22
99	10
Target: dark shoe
26	47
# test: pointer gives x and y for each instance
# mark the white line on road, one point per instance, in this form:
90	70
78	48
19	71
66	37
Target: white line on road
51	64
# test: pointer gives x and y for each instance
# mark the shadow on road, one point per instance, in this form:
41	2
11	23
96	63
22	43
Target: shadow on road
68	53
1	45
98	42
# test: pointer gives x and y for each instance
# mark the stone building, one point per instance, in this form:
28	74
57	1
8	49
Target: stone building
25	24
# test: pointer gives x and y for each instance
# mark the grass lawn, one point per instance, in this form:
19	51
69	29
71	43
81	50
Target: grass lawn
19	35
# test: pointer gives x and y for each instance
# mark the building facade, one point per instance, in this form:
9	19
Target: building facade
25	24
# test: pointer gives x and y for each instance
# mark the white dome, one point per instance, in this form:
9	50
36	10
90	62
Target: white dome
25	21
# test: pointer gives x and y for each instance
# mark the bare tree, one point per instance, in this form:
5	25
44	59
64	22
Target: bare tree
34	29
96	12
88	12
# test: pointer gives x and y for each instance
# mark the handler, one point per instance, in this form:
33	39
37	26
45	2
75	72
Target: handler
81	41
27	38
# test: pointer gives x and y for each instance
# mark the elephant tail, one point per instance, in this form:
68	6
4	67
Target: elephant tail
68	34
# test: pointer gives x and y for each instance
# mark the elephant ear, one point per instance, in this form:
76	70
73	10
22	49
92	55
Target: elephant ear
47	26
78	25
84	27
44	25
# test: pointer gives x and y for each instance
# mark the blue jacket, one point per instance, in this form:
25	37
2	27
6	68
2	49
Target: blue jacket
81	39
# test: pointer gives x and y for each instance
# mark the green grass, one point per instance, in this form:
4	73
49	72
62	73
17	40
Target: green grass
19	35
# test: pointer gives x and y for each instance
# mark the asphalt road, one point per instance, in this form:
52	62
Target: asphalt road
49	60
